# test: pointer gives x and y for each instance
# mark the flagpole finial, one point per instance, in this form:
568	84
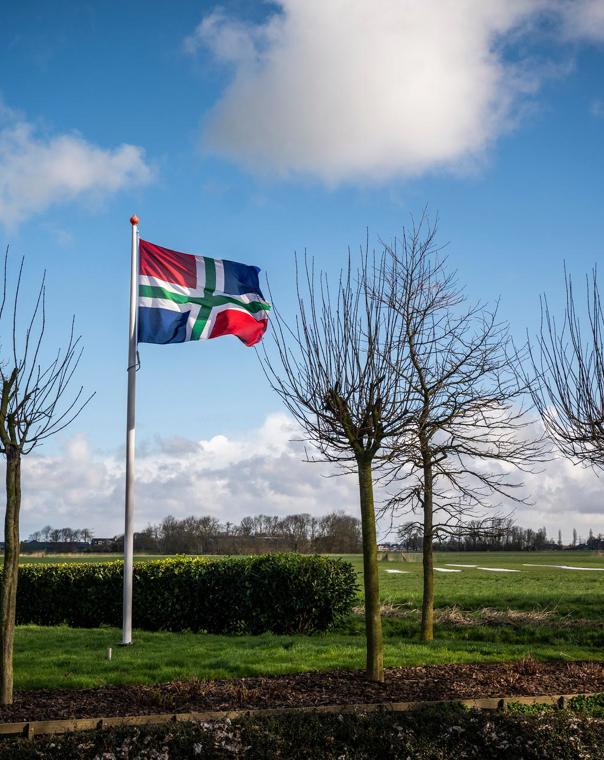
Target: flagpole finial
134	219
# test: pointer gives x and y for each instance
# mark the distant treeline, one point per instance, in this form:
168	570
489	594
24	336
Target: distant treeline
332	533
497	534
48	534
336	533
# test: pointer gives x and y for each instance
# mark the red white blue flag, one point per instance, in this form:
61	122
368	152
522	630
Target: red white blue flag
183	297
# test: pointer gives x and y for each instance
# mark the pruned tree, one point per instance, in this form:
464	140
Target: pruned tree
336	368
35	403
567	361
468	434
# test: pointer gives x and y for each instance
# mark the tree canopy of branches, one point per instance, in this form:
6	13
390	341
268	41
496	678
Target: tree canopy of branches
467	427
34	405
66	535
568	363
337	371
499	534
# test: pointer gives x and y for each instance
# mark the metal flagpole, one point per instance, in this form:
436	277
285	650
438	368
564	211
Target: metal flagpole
130	430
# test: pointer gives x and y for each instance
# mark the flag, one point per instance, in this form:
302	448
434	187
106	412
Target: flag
183	297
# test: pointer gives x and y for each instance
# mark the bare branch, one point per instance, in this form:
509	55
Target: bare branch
567	363
33	404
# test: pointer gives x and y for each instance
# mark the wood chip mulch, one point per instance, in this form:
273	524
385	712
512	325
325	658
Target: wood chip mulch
431	682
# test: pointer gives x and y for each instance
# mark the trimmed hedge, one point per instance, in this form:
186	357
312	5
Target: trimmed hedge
280	593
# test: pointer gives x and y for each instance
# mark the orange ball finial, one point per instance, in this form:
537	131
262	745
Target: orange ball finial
134	219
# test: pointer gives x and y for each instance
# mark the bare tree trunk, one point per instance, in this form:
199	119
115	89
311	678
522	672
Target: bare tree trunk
10	572
427	629
373	620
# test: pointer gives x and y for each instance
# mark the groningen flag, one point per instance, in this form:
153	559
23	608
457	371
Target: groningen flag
183	297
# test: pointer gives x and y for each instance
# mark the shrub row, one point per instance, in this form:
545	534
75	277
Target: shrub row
281	593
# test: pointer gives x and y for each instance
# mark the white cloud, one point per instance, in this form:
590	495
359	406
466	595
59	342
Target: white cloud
260	472
565	496
364	90
229	39
583	19
597	108
38	171
228	478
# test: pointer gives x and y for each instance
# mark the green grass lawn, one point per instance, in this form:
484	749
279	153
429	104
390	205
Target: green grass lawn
565	592
63	657
563	618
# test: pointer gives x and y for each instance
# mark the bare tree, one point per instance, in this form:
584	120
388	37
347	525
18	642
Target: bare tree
568	362
55	535
337	371
467	426
296	529
87	535
33	407
45	532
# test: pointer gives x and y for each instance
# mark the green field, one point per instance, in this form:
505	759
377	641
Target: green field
563	592
540	612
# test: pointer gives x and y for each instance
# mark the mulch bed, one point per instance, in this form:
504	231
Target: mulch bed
432	682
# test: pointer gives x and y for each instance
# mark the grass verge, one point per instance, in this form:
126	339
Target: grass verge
62	657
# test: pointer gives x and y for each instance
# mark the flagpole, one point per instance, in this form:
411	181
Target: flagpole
130	430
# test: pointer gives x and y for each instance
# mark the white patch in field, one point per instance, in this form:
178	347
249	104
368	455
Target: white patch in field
446	570
453	564
529	564
565	567
499	569
398	571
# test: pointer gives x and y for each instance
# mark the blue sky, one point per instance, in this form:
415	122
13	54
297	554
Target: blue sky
250	131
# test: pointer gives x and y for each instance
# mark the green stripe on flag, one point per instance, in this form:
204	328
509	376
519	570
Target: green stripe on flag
155	291
210	285
252	306
201	321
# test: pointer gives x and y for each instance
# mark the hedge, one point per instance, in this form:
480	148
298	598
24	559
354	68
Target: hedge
280	593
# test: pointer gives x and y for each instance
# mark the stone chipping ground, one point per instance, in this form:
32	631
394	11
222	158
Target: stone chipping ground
433	682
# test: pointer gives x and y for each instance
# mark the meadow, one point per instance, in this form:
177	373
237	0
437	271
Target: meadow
485	614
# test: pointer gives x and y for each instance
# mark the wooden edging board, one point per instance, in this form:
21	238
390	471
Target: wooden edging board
34	727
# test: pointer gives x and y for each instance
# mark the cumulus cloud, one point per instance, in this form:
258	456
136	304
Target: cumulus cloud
565	496
583	19
37	171
363	90
228	478
259	472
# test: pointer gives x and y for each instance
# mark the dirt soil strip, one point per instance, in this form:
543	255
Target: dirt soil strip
411	684
34	728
